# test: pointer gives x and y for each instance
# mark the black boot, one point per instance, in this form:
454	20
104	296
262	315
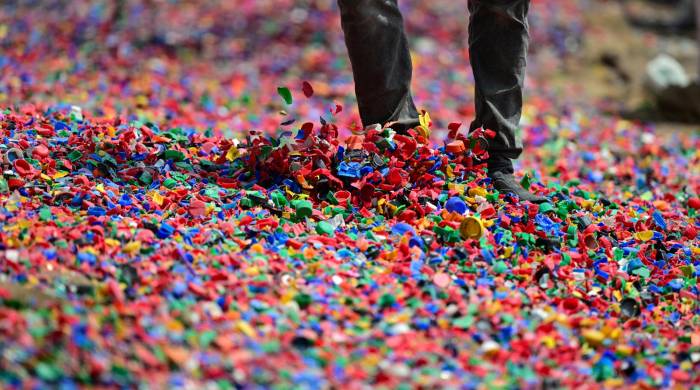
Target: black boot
501	174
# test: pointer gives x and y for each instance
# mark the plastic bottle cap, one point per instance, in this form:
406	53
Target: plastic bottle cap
456	205
355	142
471	228
325	228
455	147
303	208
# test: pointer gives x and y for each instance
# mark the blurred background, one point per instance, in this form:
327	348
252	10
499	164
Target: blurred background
217	64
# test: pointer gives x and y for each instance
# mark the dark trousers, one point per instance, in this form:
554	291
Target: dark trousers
381	63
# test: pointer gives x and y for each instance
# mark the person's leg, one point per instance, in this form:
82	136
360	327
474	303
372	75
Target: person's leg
498	44
697	31
380	58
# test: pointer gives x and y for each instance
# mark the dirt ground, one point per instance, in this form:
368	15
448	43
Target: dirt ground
610	67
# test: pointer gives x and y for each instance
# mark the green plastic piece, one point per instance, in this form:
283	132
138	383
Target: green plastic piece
325	228
303	208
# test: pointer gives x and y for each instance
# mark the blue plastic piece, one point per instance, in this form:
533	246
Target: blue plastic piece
456	205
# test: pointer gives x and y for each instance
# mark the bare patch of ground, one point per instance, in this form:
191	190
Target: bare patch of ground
610	67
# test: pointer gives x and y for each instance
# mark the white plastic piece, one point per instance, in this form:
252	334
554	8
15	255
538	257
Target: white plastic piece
665	71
